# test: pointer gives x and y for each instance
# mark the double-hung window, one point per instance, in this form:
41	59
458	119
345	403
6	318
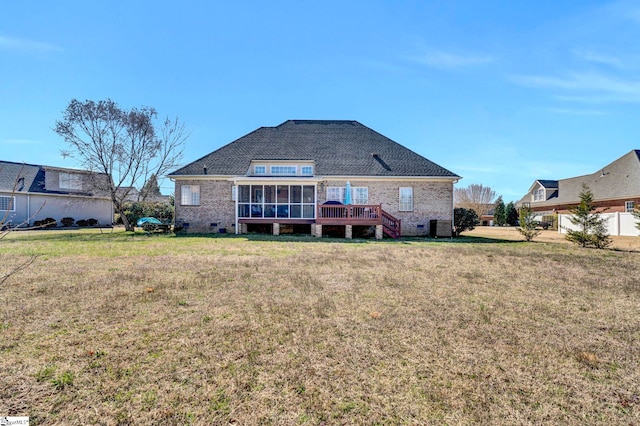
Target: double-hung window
406	199
628	206
190	195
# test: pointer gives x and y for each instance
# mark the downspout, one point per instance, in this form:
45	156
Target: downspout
235	203
453	209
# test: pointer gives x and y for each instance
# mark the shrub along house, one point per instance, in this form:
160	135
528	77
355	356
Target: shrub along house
30	193
315	177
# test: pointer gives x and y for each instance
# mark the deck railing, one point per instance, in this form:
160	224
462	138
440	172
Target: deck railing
390	225
352	214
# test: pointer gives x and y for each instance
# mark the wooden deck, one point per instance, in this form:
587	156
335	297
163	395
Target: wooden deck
359	214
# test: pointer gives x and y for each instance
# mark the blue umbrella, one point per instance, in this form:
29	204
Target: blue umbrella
347	193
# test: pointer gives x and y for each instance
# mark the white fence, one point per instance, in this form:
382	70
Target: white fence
617	224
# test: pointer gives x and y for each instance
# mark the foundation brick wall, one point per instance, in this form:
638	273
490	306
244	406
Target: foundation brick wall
215	206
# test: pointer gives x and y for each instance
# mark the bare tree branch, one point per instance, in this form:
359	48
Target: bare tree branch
476	197
123	145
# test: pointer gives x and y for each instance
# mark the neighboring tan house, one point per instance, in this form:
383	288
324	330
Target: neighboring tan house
315	177
615	188
30	192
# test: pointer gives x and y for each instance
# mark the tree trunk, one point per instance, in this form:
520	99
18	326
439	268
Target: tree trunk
119	208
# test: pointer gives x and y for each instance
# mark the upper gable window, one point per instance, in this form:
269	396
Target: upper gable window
284	170
538	194
70	181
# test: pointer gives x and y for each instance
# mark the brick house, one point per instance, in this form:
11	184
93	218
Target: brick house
315	177
615	188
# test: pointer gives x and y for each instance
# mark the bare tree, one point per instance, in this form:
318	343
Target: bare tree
476	197
123	145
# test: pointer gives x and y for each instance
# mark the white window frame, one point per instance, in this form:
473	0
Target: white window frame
260	169
405	198
335	193
538	194
287	170
71	181
359	194
629	206
190	195
7	201
306	170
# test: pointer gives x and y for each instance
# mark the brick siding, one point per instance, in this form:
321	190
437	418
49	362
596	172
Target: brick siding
431	200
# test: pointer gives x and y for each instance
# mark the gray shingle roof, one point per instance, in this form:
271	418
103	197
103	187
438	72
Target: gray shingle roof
549	184
338	147
618	180
31	177
23	177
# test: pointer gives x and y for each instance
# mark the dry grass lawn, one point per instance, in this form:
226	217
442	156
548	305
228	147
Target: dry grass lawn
114	329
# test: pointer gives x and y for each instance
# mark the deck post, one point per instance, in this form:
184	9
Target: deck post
318	232
379	232
276	229
348	232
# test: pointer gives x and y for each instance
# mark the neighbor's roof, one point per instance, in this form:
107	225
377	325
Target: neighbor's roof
549	184
22	178
338	148
618	180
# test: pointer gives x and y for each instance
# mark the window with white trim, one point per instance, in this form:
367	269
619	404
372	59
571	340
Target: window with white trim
406	199
7	203
306	170
190	195
70	181
538	194
284	170
628	206
359	194
335	193
259	170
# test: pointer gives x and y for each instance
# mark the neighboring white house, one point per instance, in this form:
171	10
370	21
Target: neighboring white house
29	193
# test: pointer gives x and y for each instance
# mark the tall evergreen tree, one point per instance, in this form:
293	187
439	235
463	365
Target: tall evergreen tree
591	227
499	212
512	214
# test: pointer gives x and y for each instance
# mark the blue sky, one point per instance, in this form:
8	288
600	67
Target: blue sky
499	92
